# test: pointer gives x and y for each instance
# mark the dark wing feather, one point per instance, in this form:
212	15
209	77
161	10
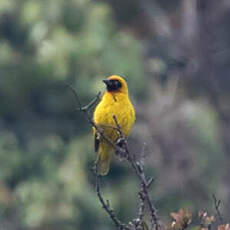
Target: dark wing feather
96	141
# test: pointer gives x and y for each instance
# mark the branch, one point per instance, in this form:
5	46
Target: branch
85	109
121	148
217	204
107	208
145	184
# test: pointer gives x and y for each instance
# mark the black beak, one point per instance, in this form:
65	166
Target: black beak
106	82
112	84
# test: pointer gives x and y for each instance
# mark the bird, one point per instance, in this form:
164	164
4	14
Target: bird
115	103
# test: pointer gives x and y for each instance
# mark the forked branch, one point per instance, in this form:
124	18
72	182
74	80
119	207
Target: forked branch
121	148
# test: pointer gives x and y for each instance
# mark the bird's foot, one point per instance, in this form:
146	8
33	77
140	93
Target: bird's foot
121	143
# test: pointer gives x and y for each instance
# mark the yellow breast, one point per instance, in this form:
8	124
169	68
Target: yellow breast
117	105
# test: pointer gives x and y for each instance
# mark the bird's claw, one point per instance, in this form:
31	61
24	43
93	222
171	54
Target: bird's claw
121	143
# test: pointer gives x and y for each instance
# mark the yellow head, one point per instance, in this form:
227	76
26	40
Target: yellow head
116	84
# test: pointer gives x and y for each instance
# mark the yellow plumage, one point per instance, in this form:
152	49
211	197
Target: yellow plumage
115	102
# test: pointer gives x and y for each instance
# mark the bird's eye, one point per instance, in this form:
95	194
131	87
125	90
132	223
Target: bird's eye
117	84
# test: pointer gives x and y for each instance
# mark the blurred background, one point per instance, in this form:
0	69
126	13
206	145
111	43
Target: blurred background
175	56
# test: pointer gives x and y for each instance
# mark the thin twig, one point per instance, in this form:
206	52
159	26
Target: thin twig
118	127
106	207
74	93
217	204
141	207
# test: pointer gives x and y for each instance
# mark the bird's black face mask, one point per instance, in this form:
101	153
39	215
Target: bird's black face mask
112	85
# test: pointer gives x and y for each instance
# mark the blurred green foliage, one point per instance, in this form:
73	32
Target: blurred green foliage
45	160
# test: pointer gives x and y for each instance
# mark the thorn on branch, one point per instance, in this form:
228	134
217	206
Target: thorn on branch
150	181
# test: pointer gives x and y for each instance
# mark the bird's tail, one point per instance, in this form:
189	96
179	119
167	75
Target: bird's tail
103	163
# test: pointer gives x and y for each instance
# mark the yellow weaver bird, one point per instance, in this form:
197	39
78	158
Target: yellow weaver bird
115	102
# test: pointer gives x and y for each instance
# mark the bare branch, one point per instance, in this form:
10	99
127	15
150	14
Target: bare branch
137	166
217	204
74	93
106	207
85	110
118	126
